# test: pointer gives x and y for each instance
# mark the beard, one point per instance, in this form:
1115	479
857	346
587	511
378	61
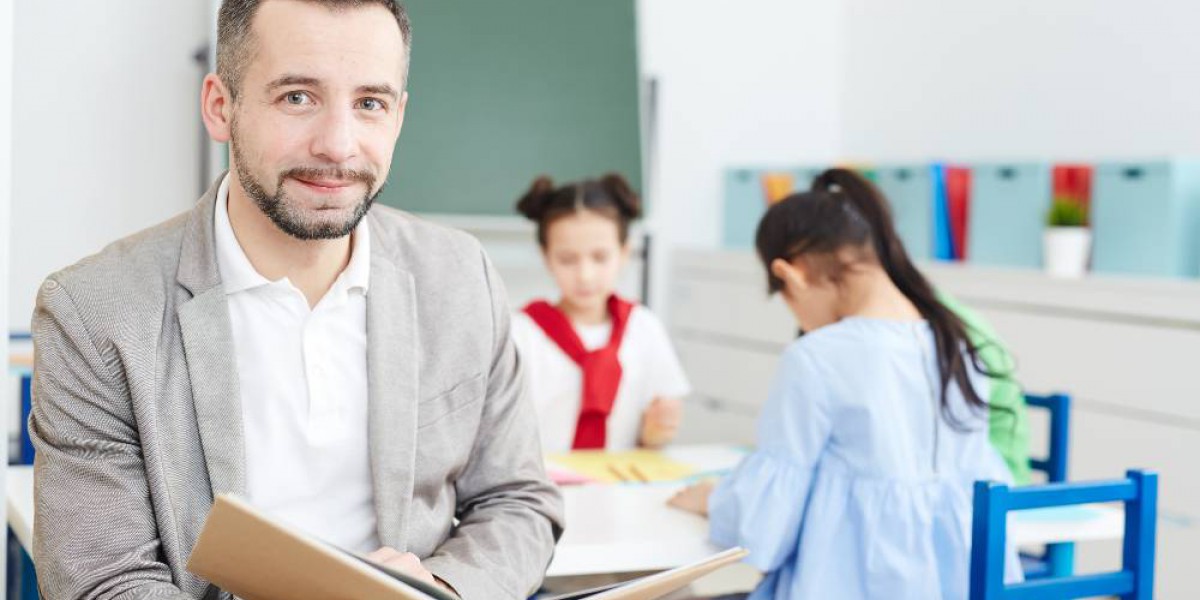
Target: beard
287	214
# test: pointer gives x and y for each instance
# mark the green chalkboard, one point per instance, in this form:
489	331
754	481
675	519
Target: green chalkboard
504	90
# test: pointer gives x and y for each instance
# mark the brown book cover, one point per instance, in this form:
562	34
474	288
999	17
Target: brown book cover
256	558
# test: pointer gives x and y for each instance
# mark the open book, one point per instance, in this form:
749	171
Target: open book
256	558
659	584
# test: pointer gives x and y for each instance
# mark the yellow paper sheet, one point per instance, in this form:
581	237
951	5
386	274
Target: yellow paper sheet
639	466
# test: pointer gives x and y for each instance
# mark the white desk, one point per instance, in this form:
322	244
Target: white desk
620	528
20	504
629	527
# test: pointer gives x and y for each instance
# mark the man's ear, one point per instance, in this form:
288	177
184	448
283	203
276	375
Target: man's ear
216	108
402	109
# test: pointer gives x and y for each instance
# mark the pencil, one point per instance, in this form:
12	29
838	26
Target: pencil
617	472
638	473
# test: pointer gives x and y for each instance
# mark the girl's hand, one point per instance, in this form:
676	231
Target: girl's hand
694	498
660	422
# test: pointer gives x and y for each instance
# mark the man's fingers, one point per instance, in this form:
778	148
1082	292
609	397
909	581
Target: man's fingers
409	564
383	554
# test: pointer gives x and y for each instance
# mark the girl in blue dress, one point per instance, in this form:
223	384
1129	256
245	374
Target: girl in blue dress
876	425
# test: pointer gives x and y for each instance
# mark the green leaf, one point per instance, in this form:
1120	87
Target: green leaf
1067	213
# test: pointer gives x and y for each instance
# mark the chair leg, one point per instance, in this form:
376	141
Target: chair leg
1061	559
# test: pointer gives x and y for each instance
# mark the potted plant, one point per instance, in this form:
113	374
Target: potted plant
1067	243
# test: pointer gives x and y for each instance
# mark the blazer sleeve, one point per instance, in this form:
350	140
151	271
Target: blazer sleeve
94	534
510	514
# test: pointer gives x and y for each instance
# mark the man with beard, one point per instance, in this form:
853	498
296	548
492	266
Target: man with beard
347	369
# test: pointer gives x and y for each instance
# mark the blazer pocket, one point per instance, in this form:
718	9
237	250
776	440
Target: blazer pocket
463	394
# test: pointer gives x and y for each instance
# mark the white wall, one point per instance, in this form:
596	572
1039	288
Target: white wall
115	148
1084	79
6	67
747	82
107	136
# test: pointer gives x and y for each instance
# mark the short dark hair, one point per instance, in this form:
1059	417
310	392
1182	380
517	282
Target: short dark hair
235	38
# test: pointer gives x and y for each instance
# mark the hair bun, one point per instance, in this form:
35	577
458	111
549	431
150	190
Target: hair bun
627	200
534	202
838	179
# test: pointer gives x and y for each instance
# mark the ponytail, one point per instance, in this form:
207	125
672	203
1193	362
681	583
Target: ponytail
844	209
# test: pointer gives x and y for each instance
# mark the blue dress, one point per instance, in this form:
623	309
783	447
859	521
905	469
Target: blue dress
859	487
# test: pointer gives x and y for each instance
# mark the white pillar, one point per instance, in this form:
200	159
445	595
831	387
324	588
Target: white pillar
6	91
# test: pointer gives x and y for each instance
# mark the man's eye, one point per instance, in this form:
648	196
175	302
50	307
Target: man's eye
371	104
296	98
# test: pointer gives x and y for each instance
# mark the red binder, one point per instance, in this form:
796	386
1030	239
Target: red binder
958	200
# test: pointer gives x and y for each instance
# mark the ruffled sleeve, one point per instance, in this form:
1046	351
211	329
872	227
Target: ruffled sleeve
760	505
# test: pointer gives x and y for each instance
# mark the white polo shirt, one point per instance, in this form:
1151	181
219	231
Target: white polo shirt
303	377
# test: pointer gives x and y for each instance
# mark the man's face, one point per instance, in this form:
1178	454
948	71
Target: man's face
318	114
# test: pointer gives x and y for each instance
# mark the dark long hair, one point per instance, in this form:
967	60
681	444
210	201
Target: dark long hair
610	196
844	211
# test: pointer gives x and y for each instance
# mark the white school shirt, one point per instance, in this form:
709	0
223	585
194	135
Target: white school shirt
649	368
303	379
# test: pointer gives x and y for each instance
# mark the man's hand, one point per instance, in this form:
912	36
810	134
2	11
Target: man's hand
408	564
660	422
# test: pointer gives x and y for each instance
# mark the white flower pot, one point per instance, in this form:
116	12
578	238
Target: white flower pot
1067	251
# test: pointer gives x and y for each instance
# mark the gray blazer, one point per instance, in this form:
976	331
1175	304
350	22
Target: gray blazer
137	417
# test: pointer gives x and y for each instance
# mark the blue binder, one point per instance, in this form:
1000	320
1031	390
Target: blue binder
1009	204
910	191
744	203
943	244
1146	218
743	207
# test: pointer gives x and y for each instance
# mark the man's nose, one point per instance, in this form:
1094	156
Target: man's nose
335	139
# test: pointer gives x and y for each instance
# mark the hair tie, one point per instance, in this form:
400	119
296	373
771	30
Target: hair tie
852	211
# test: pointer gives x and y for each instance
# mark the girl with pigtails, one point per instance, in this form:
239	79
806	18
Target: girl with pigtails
600	368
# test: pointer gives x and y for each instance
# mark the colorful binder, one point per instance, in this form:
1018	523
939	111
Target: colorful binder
958	198
943	246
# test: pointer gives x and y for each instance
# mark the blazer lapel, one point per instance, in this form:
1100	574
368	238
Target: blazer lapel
211	357
392	372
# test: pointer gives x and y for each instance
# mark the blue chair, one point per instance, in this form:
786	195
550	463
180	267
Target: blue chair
1058	559
1135	580
26	450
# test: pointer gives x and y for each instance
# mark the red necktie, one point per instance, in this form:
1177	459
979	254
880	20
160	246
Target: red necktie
601	367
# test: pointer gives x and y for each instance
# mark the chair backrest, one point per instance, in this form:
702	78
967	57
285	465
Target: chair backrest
1058	559
993	501
1055	463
